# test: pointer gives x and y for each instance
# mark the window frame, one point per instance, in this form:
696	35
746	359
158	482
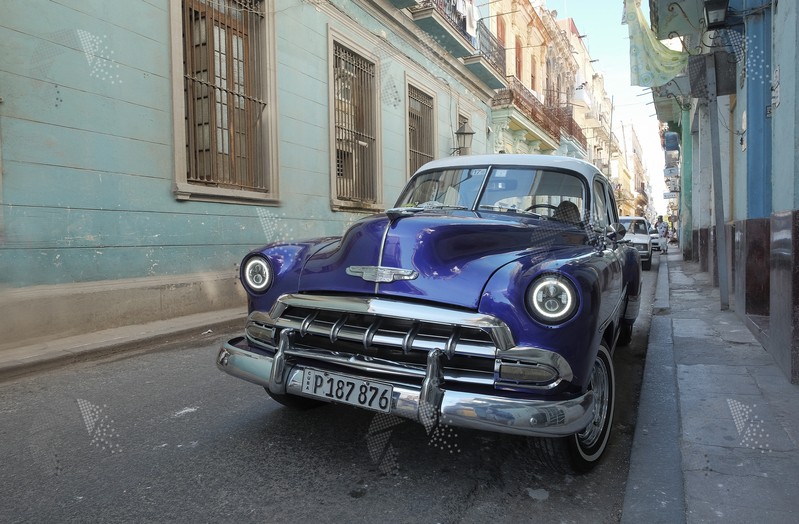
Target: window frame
336	203
418	85
267	148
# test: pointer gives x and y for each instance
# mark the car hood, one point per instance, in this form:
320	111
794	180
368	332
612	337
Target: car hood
638	238
446	258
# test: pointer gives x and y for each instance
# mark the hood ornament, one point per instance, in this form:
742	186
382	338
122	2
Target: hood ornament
382	274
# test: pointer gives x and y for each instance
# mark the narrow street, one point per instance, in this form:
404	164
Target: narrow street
163	436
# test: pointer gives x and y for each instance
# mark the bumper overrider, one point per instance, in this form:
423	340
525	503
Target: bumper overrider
428	394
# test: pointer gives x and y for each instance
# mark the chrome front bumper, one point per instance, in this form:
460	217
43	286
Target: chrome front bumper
502	414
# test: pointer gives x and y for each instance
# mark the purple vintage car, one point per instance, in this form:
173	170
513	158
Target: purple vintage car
490	297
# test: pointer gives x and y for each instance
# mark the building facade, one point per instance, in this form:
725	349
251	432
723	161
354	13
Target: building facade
734	108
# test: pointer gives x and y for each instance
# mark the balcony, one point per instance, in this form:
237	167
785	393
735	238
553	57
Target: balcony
488	64
642	197
570	128
402	4
440	20
519	96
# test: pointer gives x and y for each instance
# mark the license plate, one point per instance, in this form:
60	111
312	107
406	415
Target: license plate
347	390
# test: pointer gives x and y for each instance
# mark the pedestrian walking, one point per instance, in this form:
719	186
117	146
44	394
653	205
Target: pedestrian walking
663	232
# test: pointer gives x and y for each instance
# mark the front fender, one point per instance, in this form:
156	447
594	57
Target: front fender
287	261
577	339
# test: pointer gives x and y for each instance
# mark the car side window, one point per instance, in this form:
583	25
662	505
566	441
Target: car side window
613	211
599	210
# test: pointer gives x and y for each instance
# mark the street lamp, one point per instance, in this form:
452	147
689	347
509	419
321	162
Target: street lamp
463	137
716	13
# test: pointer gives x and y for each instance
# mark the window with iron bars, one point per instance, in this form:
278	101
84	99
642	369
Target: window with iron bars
420	128
224	95
355	116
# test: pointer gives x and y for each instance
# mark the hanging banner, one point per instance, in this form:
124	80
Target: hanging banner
652	64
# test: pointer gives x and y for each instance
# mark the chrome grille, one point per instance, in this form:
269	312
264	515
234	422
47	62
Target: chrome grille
382	336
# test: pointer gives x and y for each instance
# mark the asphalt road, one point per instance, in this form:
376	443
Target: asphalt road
162	436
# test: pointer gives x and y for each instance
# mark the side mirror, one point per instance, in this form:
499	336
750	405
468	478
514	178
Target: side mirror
615	232
652	231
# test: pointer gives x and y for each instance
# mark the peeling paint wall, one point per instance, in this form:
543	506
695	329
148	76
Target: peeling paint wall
87	146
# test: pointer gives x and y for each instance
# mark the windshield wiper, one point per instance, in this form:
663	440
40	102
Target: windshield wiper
433	205
506	209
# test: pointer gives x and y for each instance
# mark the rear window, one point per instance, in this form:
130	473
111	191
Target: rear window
634	226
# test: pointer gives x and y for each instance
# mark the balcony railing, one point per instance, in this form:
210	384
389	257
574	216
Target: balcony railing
525	101
642	196
569	127
447	10
489	46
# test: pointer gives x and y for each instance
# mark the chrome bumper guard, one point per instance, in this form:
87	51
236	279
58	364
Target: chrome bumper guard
502	414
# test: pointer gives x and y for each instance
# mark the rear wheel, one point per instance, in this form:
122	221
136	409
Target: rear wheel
582	451
294	401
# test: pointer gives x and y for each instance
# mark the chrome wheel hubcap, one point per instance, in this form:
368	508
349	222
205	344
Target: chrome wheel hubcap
601	387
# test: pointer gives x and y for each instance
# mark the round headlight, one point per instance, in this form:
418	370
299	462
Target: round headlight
551	299
258	274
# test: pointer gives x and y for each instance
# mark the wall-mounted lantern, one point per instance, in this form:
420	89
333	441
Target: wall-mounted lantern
716	13
464	136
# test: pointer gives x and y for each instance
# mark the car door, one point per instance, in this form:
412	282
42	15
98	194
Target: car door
604	213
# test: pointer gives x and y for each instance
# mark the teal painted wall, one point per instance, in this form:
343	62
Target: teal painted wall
785	153
87	147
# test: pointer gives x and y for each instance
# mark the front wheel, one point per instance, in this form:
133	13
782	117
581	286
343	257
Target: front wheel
582	451
646	265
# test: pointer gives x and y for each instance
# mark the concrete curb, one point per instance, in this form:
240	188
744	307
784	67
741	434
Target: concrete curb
655	488
661	304
53	353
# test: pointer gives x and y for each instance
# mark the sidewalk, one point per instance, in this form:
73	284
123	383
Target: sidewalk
49	354
717	437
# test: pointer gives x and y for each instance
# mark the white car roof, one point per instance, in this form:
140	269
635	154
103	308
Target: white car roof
563	162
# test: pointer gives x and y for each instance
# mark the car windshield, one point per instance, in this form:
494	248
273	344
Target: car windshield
635	227
447	188
554	194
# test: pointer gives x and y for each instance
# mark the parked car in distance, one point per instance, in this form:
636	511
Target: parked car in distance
491	296
655	239
638	235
